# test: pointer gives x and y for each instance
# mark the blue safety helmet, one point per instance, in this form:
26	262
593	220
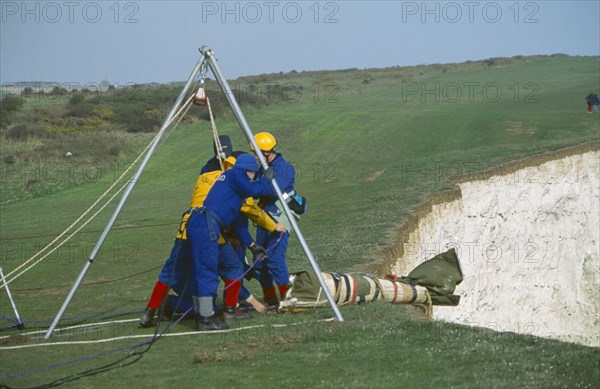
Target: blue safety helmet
246	162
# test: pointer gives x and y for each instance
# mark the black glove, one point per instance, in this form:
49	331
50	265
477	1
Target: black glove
269	174
259	252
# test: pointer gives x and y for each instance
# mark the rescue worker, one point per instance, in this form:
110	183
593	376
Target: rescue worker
589	99
221	209
178	267
275	267
231	269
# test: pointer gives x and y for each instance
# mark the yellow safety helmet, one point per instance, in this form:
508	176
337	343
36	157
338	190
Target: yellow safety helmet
265	140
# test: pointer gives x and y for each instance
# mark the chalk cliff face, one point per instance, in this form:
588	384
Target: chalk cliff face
528	242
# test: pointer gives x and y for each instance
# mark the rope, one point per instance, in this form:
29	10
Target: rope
318	297
75	342
156	335
215	133
427	306
69	328
186	106
89	283
94	231
80	217
66	240
147	341
101	315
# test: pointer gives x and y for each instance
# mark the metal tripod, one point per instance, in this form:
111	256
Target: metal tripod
207	58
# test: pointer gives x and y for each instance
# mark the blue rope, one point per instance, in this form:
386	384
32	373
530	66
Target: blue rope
149	340
253	264
102	315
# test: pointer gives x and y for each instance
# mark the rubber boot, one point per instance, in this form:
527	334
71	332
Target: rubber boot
166	310
147	318
269	297
231	314
210	323
282	291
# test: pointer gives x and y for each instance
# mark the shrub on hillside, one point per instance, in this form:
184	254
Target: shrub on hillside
143	124
28	91
76	98
136	117
58	91
25	131
9	106
11	103
95	146
81	109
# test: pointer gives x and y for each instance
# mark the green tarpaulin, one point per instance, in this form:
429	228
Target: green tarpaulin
439	275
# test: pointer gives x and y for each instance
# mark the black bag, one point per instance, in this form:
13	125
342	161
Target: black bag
297	204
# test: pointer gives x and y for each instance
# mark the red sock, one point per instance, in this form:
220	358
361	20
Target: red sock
282	290
232	292
158	294
269	293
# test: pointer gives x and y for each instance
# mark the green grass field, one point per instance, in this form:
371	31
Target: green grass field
367	145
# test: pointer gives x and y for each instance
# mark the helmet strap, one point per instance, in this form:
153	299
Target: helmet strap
267	155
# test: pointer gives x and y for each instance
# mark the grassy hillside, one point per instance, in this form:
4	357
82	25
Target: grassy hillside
367	145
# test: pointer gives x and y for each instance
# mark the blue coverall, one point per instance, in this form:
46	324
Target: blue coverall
221	209
275	267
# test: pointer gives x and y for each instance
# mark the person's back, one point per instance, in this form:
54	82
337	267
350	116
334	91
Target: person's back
590	98
230	191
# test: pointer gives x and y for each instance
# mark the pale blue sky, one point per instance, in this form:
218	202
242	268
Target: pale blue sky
156	41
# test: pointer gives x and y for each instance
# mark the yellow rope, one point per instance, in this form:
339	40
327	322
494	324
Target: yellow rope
186	107
186	333
215	133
